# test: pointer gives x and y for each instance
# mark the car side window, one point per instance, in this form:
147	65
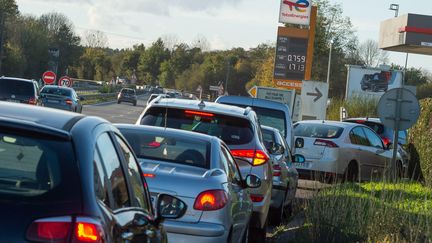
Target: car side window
357	136
224	164
100	179
114	172
374	140
137	183
232	166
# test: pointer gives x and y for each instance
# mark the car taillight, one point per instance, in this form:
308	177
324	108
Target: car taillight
32	101
149	175
69	102
277	170
211	200
257	198
62	229
326	143
198	113
258	157
386	141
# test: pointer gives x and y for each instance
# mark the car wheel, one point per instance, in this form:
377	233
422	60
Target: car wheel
351	173
258	235
118	102
134	103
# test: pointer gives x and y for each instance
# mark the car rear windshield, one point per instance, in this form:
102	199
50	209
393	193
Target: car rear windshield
231	129
31	166
271	118
10	87
56	91
173	149
128	91
317	130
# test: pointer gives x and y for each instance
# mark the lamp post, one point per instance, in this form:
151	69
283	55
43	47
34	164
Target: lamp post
329	61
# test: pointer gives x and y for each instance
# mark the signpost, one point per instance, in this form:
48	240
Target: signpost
398	109
65	81
49	77
314	97
283	96
200	90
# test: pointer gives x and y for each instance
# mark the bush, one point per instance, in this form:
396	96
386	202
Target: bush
371	212
424	91
356	107
420	138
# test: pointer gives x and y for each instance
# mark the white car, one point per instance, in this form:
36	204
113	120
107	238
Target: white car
341	150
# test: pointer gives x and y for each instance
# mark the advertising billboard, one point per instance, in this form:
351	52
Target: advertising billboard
371	83
295	12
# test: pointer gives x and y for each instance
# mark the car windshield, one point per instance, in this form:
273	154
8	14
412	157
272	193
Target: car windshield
231	129
10	87
56	91
31	166
173	149
317	130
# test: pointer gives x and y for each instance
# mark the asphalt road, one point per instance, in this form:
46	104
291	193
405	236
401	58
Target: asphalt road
117	113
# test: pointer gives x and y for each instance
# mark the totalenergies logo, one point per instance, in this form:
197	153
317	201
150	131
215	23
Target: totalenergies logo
300	5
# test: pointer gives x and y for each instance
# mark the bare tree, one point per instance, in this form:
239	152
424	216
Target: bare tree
95	39
201	42
371	54
170	41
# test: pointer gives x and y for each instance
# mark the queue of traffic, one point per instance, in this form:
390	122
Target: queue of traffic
187	171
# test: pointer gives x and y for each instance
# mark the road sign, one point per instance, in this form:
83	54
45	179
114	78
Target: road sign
253	91
406	114
65	81
49	77
314	97
283	96
290	62
214	88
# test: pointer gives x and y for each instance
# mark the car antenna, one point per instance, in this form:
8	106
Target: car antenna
201	105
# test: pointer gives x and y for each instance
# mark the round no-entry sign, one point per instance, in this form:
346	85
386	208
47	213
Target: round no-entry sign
49	77
65	81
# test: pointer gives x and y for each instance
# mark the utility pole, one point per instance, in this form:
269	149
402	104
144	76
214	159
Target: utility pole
2	27
228	74
329	61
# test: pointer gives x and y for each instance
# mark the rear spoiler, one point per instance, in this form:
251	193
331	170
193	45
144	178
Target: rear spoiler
32	129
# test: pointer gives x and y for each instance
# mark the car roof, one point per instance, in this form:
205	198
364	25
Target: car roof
250	101
53	118
196	105
57	87
333	123
376	120
17	79
169	131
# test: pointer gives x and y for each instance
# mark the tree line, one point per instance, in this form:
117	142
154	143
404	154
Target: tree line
25	41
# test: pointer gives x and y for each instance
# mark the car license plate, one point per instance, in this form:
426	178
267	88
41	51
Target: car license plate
13	101
53	101
305	165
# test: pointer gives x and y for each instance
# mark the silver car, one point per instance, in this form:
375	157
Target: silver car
340	150
285	175
200	170
238	128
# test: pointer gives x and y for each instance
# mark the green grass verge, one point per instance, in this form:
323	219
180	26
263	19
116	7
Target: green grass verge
98	100
370	212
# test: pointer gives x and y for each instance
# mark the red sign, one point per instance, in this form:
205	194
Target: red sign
49	77
65	81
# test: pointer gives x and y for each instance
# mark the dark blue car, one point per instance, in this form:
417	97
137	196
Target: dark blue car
62	98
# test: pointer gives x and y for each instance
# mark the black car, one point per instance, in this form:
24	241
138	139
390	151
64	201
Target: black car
65	177
19	90
127	95
376	82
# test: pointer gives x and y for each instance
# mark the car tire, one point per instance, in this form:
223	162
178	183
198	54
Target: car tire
134	103
351	172
258	235
118	102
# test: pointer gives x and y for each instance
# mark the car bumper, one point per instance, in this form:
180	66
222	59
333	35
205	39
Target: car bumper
131	100
59	107
195	232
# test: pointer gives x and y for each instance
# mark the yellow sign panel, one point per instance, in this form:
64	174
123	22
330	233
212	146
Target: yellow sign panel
253	91
288	84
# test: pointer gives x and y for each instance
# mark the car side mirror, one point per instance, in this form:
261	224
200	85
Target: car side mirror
253	181
278	149
298	158
169	207
81	98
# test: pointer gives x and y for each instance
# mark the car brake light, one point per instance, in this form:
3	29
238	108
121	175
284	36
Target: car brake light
199	113
386	141
211	200
360	121
326	143
60	229
149	175
277	170
258	157
32	101
69	102
257	198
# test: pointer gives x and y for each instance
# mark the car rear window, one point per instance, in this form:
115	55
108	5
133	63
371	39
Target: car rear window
128	91
16	87
378	128
269	137
56	91
231	129
180	150
271	118
31	166
317	130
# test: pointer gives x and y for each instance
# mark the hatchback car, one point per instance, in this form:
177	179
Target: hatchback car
200	170
19	91
270	113
285	175
341	150
154	96
65	177
62	98
127	95
237	127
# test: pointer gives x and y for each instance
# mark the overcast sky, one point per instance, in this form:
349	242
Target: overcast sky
224	23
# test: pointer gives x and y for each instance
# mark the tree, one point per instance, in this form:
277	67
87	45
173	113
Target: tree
95	39
151	60
371	54
8	9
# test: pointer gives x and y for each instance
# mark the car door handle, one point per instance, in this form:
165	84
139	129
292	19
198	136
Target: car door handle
127	236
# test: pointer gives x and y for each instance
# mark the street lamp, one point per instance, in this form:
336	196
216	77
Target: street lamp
329	61
395	8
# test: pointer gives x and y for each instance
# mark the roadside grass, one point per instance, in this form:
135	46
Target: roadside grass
370	212
98	100
356	107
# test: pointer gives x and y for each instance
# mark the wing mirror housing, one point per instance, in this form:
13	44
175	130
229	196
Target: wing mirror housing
253	181
169	207
298	158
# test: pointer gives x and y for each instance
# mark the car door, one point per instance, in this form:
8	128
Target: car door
127	221
360	151
240	208
376	152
